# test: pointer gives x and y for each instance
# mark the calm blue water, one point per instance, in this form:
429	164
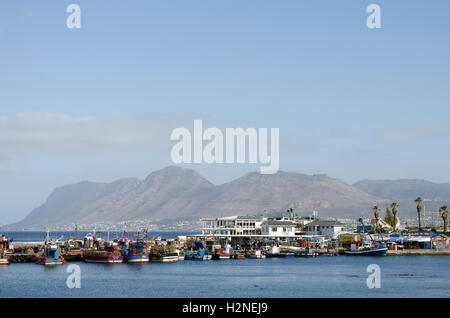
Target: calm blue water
342	276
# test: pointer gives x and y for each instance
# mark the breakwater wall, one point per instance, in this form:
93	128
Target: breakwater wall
420	252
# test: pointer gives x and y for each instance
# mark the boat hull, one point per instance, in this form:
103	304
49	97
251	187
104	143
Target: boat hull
103	259
221	256
372	252
137	258
280	255
49	261
202	257
257	256
73	252
4	261
164	259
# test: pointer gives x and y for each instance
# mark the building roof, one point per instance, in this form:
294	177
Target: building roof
326	223
249	217
286	223
231	218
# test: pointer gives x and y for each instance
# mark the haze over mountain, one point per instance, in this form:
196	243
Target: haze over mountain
176	193
405	191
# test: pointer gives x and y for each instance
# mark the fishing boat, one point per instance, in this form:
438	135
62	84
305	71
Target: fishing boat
163	254
95	252
50	253
221	254
367	246
5	245
137	251
274	252
257	254
367	249
237	255
102	256
201	255
4	258
73	247
307	252
167	258
96	256
73	250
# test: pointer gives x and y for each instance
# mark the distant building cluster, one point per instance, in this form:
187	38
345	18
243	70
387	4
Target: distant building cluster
280	227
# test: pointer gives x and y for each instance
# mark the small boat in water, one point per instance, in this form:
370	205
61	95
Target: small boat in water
4	258
164	254
222	254
372	249
237	256
166	258
367	246
256	255
50	253
274	252
5	245
307	252
201	255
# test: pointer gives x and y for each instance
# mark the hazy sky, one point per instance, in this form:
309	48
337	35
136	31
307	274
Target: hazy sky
99	103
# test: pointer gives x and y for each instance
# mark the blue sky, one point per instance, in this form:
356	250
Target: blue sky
99	103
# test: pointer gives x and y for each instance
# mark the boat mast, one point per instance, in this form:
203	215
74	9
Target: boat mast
364	228
47	239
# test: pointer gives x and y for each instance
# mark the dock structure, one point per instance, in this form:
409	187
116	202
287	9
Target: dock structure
30	257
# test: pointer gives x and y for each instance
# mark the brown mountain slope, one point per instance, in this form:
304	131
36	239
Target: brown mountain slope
175	193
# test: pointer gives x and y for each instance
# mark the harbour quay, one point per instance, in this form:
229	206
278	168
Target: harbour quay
235	237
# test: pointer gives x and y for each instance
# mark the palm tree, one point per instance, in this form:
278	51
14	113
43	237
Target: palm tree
394	208
444	213
376	213
419	210
389	218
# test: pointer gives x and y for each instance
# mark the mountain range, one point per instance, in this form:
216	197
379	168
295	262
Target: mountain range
175	193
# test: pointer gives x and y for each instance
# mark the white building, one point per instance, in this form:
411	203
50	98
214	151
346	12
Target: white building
329	229
278	228
247	226
232	225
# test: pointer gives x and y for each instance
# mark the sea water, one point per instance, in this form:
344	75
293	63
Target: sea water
324	276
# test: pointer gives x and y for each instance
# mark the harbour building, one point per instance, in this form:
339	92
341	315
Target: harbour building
250	226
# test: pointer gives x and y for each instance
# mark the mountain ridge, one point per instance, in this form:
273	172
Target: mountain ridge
176	193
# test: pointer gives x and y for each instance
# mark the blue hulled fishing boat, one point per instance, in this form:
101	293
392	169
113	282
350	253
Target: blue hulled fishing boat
136	251
376	249
367	246
49	254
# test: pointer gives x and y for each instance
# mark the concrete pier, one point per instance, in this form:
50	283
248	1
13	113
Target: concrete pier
420	252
